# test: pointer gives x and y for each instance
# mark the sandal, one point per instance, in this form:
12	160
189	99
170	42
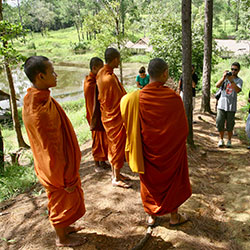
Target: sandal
181	220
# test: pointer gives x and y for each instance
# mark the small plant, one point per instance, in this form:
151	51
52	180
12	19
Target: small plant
31	46
80	48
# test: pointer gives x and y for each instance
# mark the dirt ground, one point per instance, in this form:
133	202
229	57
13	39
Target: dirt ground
219	208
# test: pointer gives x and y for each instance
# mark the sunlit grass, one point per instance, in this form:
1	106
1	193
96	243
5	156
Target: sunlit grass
16	179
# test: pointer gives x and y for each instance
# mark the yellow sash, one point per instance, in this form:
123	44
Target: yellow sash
130	114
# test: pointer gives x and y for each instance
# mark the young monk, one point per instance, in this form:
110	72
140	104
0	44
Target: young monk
99	138
157	145
110	93
55	149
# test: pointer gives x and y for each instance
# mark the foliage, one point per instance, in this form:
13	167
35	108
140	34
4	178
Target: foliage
80	47
16	179
166	39
8	32
244	13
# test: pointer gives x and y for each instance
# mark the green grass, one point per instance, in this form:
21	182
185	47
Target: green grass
16	179
56	45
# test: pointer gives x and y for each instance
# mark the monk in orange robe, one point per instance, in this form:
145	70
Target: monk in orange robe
163	131
99	138
110	93
55	149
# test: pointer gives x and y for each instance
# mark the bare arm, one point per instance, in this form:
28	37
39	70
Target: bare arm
219	83
138	85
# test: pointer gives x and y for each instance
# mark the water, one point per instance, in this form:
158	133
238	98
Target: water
69	82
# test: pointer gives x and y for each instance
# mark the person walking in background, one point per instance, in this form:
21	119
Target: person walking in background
56	152
227	104
194	84
99	138
110	93
157	129
142	79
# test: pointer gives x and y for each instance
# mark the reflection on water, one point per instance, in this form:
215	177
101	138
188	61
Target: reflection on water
69	81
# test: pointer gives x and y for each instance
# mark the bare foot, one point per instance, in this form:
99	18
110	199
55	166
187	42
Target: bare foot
120	183
181	219
99	169
151	220
71	242
73	229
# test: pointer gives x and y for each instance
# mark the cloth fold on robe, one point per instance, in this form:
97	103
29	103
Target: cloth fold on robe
165	184
110	93
130	114
56	154
99	138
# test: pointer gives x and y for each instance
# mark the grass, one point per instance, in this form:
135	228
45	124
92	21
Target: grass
56	45
16	179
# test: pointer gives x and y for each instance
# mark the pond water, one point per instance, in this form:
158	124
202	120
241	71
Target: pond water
69	81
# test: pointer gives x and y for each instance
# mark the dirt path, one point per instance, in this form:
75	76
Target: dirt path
115	220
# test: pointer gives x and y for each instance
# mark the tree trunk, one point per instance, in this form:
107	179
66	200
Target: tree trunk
187	66
21	19
1	138
206	83
1	153
78	31
237	15
21	142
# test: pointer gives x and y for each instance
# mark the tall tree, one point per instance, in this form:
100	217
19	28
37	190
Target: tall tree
117	9
206	84
187	65
1	138
7	32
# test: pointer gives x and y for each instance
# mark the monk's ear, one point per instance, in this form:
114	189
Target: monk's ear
40	76
165	75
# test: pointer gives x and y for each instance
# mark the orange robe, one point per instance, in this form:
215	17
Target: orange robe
56	154
165	183
99	138
110	93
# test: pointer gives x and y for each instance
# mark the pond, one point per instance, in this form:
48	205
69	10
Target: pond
69	81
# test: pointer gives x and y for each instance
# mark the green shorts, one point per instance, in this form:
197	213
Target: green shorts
225	116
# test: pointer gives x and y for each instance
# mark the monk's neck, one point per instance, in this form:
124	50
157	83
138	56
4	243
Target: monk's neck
155	80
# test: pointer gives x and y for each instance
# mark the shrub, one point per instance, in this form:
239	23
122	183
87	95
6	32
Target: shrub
80	48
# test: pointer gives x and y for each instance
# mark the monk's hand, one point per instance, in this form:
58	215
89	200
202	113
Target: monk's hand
70	189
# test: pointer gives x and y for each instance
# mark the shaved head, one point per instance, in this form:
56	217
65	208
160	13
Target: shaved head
157	67
35	65
111	54
95	62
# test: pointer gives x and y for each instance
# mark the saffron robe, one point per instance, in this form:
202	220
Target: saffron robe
56	154
165	183
99	138
130	115
110	93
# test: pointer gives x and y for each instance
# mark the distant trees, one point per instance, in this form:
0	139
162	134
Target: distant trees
166	38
